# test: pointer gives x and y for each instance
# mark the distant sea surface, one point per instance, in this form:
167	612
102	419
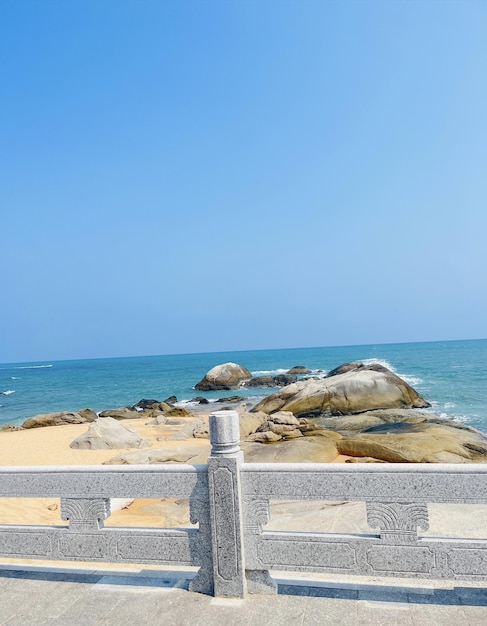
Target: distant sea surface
452	375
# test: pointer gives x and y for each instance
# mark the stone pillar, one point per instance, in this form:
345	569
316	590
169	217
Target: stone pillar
226	505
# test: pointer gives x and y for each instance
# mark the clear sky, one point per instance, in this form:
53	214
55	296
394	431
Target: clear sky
204	175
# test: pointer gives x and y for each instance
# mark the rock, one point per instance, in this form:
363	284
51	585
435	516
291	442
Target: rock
265	437
178	411
187	431
249	422
155	412
231	400
143	405
282	423
343	369
171	400
281	380
354	391
55	419
299	369
88	414
370	419
225	376
122	414
107	433
418	443
8	427
284	417
302	450
200	400
260	381
184	454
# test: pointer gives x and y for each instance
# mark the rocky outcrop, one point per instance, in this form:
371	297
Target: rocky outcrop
281	380
406	436
249	422
283	424
225	376
417	443
230	400
107	433
149	405
384	418
301	450
360	389
59	419
261	381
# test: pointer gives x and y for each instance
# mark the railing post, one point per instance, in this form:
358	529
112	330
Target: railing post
226	505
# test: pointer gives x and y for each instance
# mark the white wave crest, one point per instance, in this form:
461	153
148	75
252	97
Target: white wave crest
411	380
270	372
382	362
7	393
31	367
13	378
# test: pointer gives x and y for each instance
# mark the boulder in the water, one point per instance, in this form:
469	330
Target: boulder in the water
360	389
224	376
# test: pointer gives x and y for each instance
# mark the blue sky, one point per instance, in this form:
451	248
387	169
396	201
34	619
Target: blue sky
196	176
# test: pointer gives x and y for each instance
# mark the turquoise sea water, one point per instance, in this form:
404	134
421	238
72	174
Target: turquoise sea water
452	375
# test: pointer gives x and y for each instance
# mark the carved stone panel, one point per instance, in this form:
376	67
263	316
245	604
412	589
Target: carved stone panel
398	522
85	514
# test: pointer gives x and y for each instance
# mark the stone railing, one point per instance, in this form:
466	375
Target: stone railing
229	500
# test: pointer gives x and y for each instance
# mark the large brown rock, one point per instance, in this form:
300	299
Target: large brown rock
427	442
371	419
59	419
354	391
225	376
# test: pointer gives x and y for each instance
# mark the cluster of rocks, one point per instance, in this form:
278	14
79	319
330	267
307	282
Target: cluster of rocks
364	412
232	376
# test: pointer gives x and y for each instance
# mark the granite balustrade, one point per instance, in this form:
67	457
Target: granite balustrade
229	500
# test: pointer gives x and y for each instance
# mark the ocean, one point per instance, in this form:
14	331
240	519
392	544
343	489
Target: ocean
452	375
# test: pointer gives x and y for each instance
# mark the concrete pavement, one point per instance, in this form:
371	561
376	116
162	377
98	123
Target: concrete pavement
54	596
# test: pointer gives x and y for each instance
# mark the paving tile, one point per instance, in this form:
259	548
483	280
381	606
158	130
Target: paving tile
475	615
330	612
436	614
384	613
